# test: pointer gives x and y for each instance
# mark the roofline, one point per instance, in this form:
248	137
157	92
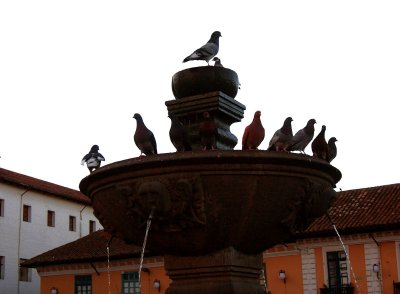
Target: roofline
347	231
17	179
83	260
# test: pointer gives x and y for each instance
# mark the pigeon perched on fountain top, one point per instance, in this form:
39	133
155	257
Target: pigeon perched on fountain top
217	62
179	135
208	132
302	138
144	138
254	133
93	159
319	147
207	51
282	137
332	151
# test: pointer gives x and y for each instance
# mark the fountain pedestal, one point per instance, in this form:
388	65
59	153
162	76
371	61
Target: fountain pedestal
226	271
224	110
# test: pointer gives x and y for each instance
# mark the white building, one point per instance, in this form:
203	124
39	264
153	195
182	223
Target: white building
36	216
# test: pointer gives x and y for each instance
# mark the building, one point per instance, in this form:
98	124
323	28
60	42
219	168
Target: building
36	216
368	260
316	261
97	263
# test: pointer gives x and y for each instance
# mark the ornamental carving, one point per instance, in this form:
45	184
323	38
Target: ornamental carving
310	201
177	205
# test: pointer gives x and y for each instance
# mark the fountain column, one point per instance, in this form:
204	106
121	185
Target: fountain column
210	89
225	271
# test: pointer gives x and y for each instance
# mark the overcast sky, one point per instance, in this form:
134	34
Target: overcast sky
73	73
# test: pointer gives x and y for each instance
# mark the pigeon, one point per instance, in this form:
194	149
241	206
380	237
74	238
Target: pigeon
332	151
93	159
208	132
217	62
207	51
319	147
253	134
302	138
282	137
144	138
178	135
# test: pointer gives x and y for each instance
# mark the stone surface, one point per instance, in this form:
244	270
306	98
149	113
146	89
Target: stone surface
204	79
223	109
210	200
225	271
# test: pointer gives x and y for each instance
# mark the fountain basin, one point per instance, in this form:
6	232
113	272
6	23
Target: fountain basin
206	201
204	79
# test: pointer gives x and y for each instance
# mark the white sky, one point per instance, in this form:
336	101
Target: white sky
73	73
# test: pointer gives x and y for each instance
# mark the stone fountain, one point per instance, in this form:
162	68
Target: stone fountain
216	211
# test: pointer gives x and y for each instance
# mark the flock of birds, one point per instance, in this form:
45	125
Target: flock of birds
283	139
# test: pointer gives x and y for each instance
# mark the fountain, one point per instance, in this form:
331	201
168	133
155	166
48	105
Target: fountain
215	211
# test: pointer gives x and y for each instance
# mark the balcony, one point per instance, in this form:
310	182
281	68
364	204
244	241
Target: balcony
337	290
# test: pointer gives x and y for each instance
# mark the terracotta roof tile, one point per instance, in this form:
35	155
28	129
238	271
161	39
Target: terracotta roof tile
90	248
31	183
360	210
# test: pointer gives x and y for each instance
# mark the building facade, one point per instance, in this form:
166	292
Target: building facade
354	248
36	216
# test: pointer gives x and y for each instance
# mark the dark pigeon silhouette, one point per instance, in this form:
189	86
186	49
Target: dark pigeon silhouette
319	146
303	137
208	132
332	150
93	159
254	133
144	138
217	62
282	137
179	135
207	51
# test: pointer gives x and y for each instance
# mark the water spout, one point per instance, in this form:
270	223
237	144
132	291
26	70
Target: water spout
144	243
346	253
108	264
108	269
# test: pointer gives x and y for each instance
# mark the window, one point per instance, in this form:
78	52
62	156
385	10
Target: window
338	276
26	213
130	283
2	267
25	274
1	207
72	223
83	284
51	218
92	226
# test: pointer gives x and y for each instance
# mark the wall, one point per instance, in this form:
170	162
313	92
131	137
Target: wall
388	266
357	262
27	239
363	250
62	277
291	264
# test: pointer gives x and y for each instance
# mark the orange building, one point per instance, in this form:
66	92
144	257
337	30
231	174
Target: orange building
363	257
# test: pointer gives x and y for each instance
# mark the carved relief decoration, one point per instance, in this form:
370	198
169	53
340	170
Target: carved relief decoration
178	204
310	201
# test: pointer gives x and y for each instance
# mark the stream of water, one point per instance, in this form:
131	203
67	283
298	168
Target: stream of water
108	269
144	243
347	256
